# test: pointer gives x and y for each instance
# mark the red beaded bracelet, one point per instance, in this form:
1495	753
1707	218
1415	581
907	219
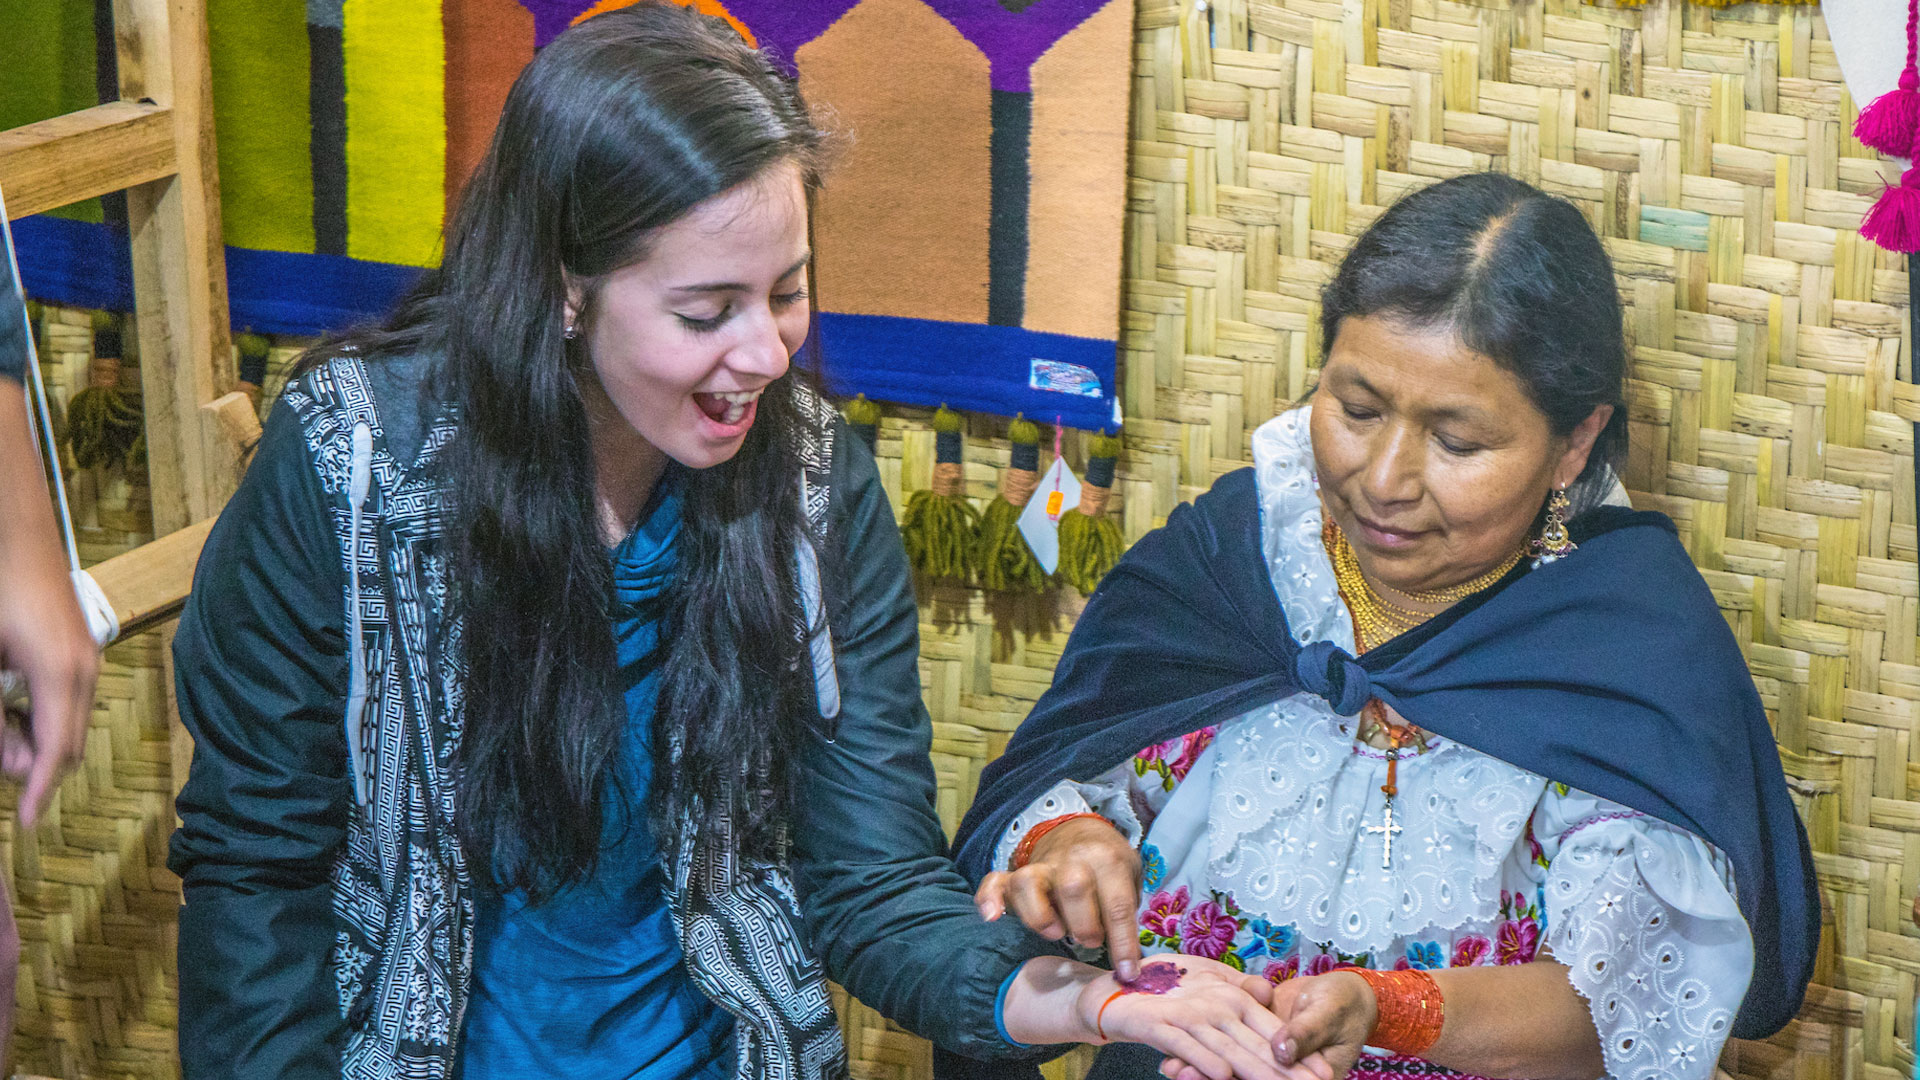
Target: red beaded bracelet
1024	852
1411	1010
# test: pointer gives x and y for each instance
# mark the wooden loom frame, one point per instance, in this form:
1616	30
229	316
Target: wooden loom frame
157	144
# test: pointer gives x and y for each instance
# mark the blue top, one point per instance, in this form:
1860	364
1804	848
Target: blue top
591	985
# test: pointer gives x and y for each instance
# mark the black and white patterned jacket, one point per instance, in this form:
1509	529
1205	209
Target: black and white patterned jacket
866	893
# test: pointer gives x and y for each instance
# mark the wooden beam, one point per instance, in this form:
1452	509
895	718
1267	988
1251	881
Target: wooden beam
179	264
84	154
150	583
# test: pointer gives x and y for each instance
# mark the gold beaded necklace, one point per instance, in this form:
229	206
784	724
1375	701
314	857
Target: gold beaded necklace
1377	619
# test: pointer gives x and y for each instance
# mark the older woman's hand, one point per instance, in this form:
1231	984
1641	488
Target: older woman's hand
1326	1018
1082	883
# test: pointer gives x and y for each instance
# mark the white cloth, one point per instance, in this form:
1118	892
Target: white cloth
1253	845
1870	43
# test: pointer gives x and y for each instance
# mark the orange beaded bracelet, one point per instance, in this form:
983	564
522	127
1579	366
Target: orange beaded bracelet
1024	852
1411	1010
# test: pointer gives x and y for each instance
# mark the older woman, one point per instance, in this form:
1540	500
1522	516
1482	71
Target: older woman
1416	717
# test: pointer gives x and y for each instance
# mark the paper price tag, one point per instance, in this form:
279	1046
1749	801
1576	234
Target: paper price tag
1059	492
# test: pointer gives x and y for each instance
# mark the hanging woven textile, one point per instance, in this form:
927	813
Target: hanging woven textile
941	526
1090	540
103	421
1891	125
1004	559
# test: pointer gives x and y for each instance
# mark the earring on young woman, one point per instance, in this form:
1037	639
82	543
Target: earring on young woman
570	332
1554	543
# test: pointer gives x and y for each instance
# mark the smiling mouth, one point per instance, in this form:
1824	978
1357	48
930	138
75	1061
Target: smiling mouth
1387	534
727	409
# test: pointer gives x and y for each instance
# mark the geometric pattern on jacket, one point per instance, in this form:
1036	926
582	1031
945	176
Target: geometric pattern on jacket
402	893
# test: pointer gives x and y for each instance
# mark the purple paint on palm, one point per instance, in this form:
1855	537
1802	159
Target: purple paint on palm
1154	979
780	26
1013	42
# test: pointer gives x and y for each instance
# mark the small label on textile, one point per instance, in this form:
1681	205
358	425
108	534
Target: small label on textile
1059	491
1060	377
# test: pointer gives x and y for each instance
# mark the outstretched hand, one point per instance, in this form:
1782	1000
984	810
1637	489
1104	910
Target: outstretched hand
1213	1018
1324	1021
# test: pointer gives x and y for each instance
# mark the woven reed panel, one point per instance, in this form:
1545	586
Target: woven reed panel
1770	403
95	902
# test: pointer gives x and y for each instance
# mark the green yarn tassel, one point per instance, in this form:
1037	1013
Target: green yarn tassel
941	525
1090	543
1006	562
863	417
252	369
1089	547
103	420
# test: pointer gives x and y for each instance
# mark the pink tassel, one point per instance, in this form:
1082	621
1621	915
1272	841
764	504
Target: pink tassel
1891	124
1894	221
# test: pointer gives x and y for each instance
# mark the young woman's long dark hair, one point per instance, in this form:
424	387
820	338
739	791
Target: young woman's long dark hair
619	126
1520	276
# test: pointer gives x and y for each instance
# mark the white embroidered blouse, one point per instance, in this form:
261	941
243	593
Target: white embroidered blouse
1255	848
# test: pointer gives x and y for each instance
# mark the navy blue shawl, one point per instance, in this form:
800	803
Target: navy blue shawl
1611	670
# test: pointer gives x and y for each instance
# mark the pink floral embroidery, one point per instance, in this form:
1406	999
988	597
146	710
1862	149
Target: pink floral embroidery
1164	911
1321	964
1208	931
1279	973
1157	751
1519	939
1403	964
1192	746
1470	950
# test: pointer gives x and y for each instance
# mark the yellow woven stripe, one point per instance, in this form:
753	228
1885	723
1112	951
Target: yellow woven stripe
396	129
260	61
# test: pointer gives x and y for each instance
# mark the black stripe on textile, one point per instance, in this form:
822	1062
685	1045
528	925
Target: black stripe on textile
327	105
106	85
1007	222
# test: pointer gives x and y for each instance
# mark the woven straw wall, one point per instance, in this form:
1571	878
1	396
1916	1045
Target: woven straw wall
1769	397
1770	403
90	887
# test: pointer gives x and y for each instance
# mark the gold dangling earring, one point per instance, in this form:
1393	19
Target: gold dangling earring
1554	543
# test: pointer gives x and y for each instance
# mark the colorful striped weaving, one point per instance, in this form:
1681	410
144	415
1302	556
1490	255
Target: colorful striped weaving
968	245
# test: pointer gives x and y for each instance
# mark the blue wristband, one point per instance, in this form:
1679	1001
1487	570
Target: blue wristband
1000	1009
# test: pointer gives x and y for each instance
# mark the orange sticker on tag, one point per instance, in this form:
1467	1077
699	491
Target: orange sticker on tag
1053	504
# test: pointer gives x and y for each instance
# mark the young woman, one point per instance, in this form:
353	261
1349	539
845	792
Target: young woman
1416	718
552	676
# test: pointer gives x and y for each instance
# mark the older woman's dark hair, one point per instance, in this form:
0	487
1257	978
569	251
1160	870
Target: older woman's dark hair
619	126
1519	277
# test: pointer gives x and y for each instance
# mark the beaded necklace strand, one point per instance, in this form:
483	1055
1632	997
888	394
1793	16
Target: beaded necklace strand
1375	620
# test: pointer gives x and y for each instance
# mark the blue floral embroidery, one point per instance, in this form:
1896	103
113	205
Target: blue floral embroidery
1153	866
1268	940
1425	956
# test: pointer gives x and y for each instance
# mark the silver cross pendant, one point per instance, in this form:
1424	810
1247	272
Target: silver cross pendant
1387	829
